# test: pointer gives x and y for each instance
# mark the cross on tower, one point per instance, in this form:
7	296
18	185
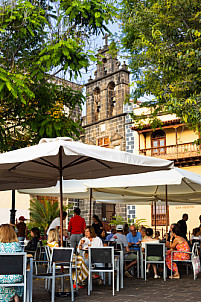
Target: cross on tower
106	39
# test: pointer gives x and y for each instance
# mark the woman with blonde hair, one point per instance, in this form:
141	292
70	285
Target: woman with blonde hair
9	244
53	238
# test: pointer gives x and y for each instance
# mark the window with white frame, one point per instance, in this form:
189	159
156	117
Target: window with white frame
130	211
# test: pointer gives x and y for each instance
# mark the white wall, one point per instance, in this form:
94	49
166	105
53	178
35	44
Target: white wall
22	205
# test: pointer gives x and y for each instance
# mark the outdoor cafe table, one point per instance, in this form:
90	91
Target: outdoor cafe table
121	256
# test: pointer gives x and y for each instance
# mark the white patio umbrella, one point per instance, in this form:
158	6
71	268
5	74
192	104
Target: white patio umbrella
142	188
74	187
63	158
184	187
176	185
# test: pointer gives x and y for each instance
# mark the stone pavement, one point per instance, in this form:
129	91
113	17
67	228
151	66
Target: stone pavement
153	290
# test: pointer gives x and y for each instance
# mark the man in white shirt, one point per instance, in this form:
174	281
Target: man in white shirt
56	223
120	238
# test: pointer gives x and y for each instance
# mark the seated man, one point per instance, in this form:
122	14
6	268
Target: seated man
134	239
120	238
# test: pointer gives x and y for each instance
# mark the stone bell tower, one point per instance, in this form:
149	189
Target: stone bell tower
105	119
106	93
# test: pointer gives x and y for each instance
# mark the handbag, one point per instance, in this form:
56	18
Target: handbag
196	261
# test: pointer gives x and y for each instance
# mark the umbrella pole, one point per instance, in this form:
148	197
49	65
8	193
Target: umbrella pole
166	206
90	205
61	196
13	210
155	214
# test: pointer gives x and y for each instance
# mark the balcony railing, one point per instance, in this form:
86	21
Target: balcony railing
173	151
160	219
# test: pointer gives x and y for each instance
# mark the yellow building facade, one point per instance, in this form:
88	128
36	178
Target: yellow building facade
173	141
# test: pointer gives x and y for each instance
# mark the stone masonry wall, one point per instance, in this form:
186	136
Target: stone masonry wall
114	128
121	81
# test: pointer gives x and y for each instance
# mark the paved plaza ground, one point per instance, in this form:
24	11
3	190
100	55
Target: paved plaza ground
153	290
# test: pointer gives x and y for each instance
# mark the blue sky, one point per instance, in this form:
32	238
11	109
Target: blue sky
95	44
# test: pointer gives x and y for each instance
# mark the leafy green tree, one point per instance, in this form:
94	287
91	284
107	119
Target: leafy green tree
117	220
43	213
137	222
39	39
163	41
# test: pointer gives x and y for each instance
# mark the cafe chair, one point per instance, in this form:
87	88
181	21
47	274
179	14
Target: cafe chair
118	252
22	244
11	264
116	245
153	250
35	255
103	256
40	251
48	255
59	257
184	261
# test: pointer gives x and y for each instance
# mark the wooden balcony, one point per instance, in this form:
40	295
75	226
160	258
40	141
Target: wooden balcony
160	219
160	215
174	152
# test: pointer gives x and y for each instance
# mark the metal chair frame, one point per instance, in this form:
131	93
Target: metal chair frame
57	260
110	262
186	261
10	266
160	246
35	253
48	254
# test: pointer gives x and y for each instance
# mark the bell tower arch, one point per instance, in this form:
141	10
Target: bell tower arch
108	89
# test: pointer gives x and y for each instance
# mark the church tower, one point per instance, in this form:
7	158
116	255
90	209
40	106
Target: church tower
105	119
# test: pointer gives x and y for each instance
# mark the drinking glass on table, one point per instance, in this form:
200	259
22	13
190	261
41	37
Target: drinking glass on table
82	244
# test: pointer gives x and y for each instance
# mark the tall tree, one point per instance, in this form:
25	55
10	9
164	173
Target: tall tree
163	41
39	39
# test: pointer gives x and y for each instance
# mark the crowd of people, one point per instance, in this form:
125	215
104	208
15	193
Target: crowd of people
82	237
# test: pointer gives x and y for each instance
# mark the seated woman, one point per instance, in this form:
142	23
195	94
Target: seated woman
149	235
90	240
179	244
53	238
102	235
33	243
9	244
